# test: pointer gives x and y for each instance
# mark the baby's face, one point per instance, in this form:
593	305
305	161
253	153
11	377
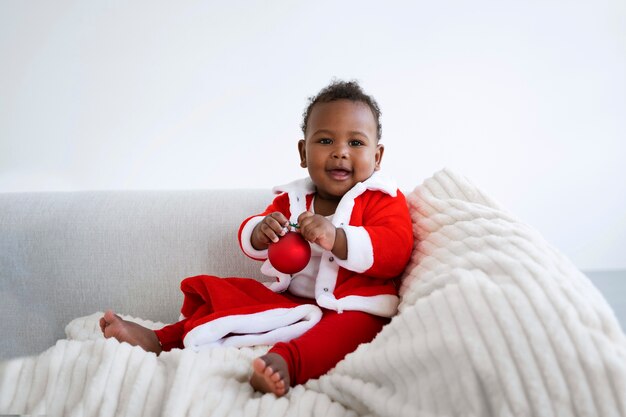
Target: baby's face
341	147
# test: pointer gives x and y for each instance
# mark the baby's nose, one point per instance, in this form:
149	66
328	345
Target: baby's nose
340	152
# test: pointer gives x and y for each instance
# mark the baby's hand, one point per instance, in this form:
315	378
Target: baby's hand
317	229
269	230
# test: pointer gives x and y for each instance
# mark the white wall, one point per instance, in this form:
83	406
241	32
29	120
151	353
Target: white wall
527	99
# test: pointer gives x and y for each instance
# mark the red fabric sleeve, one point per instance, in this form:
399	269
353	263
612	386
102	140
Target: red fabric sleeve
389	226
280	203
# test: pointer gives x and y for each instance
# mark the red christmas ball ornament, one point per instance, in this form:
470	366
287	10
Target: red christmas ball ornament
290	254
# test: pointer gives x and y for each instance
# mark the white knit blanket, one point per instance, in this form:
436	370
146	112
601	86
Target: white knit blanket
493	322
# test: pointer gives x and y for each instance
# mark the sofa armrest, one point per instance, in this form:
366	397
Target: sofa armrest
64	255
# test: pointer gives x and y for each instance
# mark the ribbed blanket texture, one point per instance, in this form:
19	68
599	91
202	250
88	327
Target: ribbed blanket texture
493	322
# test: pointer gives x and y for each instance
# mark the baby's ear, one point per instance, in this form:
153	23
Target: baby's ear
380	149
302	152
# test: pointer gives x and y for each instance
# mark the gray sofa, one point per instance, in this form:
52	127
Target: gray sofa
494	321
66	255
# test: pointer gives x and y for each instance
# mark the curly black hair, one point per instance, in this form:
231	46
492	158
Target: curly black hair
339	90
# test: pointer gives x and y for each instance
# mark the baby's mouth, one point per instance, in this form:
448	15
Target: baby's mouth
339	174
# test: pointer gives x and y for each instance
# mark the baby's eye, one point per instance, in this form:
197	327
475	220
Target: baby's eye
325	141
355	142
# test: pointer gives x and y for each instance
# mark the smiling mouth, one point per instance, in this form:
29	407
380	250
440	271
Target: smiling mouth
339	174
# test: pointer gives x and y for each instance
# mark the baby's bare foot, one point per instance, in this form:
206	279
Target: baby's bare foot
270	374
113	325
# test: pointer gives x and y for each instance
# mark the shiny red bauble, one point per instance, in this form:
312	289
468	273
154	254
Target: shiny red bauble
290	254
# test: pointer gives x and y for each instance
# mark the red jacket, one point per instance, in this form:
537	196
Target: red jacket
375	218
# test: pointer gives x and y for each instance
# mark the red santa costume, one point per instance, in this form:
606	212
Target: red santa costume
357	296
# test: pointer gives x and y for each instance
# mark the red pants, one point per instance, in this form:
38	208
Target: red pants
328	342
316	351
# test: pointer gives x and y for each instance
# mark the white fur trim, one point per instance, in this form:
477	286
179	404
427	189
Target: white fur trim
384	305
303	186
262	328
328	301
360	250
246	235
297	206
327	275
380	182
279	286
297	192
377	182
283	279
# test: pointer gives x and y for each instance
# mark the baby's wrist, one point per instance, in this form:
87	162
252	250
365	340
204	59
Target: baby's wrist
340	246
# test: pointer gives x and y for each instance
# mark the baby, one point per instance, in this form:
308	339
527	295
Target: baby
359	229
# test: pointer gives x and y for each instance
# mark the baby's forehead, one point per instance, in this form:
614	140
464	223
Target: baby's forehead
342	114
